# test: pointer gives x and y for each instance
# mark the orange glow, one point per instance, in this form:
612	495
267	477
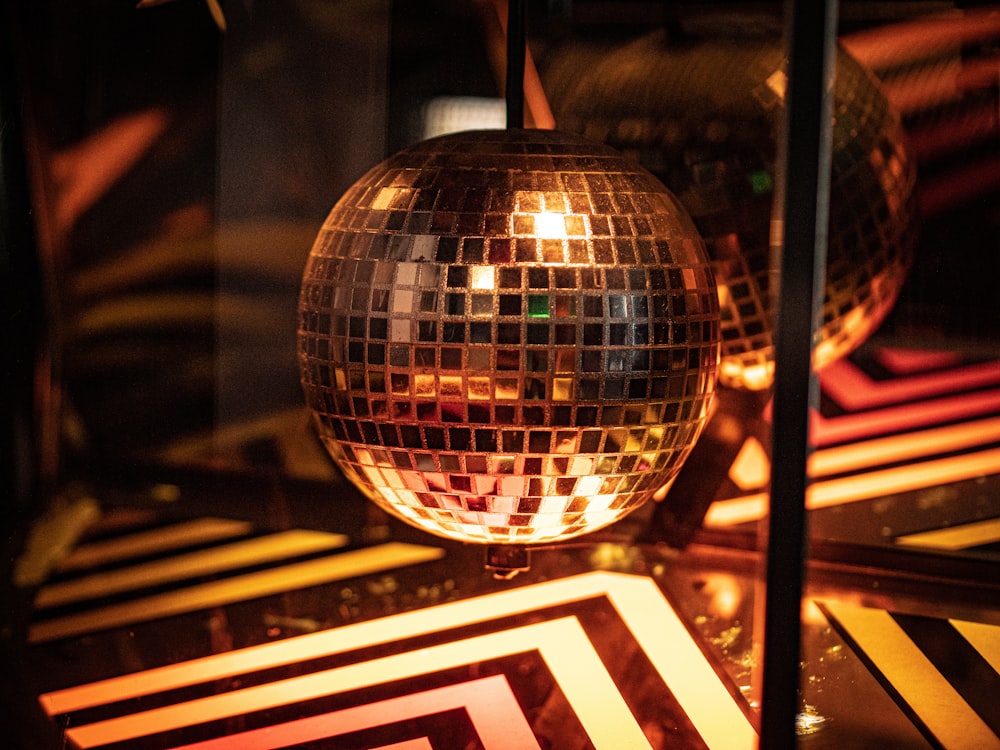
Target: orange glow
907	447
489	702
864	487
949	84
959	185
963	536
752	467
235	589
902	417
854	390
900	43
902	361
563	644
87	170
919	684
724	593
538	113
658	630
177	536
754	377
550	225
983	638
271	548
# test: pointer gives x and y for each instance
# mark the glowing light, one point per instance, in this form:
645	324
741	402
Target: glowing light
983	638
778	83
570	656
173	537
853	389
483	277
550	225
864	487
902	361
903	417
725	595
962	536
751	469
489	702
234	589
927	692
233	556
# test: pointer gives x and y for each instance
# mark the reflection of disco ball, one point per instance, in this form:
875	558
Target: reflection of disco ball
509	335
704	117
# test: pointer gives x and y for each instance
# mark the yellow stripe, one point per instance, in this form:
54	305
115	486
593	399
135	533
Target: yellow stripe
963	536
240	588
177	536
864	486
928	693
984	638
233	556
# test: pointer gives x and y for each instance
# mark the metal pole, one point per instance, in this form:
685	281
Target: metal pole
514	85
810	42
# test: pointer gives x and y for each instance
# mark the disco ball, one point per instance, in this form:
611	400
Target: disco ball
508	336
704	115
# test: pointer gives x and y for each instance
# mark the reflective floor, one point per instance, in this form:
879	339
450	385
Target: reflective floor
245	610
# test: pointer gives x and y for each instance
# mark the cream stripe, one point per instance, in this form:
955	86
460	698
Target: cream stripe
240	588
280	546
677	657
177	536
984	638
963	536
563	644
941	708
683	666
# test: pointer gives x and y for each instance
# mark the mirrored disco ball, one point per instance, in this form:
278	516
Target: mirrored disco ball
703	115
508	336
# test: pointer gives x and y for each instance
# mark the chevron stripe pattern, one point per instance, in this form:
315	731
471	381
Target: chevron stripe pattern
945	673
912	427
172	569
597	660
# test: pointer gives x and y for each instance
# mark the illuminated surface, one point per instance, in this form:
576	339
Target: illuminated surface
175	536
215	593
962	536
703	118
928	664
508	336
935	422
273	547
570	624
493	710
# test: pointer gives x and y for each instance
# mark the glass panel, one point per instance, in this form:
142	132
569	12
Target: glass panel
520	354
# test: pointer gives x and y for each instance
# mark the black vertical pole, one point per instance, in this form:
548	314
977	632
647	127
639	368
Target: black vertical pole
810	43
514	86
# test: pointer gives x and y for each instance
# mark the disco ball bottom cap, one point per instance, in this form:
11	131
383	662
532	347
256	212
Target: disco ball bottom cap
507	560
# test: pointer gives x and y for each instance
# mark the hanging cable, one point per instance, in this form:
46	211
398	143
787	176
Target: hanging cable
514	86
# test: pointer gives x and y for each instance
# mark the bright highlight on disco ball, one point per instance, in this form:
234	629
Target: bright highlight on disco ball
704	116
508	336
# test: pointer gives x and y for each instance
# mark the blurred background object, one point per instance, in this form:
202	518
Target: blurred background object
180	168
